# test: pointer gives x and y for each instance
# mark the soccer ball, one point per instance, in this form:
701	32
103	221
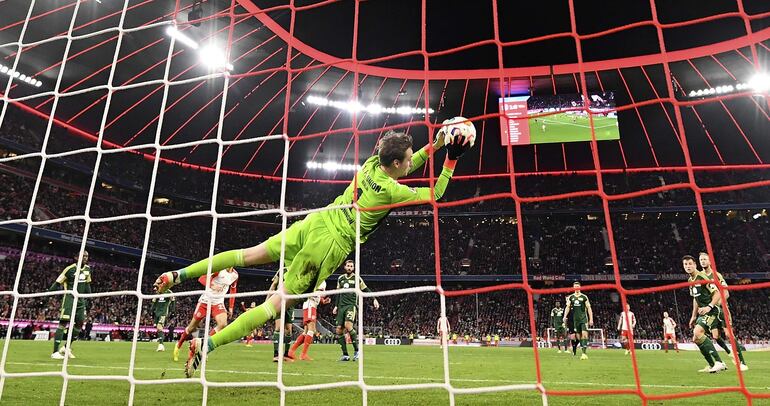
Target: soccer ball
459	127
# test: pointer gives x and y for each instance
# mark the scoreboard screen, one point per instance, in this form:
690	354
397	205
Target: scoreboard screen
562	119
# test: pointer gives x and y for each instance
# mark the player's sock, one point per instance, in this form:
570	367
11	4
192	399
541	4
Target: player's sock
354	339
221	261
343	344
300	340
286	343
245	323
583	345
161	336
308	341
708	346
740	352
701	343
182	338
276	338
574	346
724	345
665	345
60	331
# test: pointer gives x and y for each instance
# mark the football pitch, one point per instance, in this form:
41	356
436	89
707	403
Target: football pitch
660	373
560	127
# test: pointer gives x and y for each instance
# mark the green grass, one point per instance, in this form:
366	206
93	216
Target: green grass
561	128
469	367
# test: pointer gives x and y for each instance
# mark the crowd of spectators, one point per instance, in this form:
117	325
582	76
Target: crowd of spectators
564	236
505	313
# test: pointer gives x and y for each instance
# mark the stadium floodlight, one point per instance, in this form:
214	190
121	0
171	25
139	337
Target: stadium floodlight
373	108
332	166
173	32
28	79
760	82
214	58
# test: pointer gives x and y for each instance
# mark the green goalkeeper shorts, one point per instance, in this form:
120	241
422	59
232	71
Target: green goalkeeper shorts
311	254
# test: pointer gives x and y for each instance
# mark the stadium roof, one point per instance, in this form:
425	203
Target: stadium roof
707	43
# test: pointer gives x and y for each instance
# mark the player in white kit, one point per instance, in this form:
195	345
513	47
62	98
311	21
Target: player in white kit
625	331
443	328
213	300
309	317
669	332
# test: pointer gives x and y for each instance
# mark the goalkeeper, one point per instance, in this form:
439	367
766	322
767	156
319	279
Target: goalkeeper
318	244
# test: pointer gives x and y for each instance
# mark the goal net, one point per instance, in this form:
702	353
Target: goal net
252	57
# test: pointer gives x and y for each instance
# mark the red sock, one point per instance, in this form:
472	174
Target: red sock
212	332
308	341
248	340
665	345
182	338
676	346
296	344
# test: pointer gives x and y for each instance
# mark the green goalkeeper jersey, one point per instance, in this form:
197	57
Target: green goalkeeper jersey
579	305
375	188
67	278
345	282
557	317
701	292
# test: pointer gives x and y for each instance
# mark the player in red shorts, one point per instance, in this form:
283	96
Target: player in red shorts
625	332
212	299
309	316
669	332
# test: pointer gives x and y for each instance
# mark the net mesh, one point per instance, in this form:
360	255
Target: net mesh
360	70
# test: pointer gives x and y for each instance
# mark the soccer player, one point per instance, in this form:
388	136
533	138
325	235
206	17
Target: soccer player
161	307
309	317
706	314
346	309
318	244
212	299
583	316
543	127
443	329
625	331
669	332
718	333
557	323
573	337
66	280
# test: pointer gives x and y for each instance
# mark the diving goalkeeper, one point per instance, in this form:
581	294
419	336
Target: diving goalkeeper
318	244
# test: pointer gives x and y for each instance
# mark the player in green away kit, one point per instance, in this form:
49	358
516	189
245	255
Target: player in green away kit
161	308
66	280
583	316
718	333
318	244
346	309
706	314
557	323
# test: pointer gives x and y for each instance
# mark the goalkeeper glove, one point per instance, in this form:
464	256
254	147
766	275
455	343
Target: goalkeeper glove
457	147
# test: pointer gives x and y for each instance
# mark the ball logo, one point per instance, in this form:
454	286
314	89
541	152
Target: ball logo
392	341
651	346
